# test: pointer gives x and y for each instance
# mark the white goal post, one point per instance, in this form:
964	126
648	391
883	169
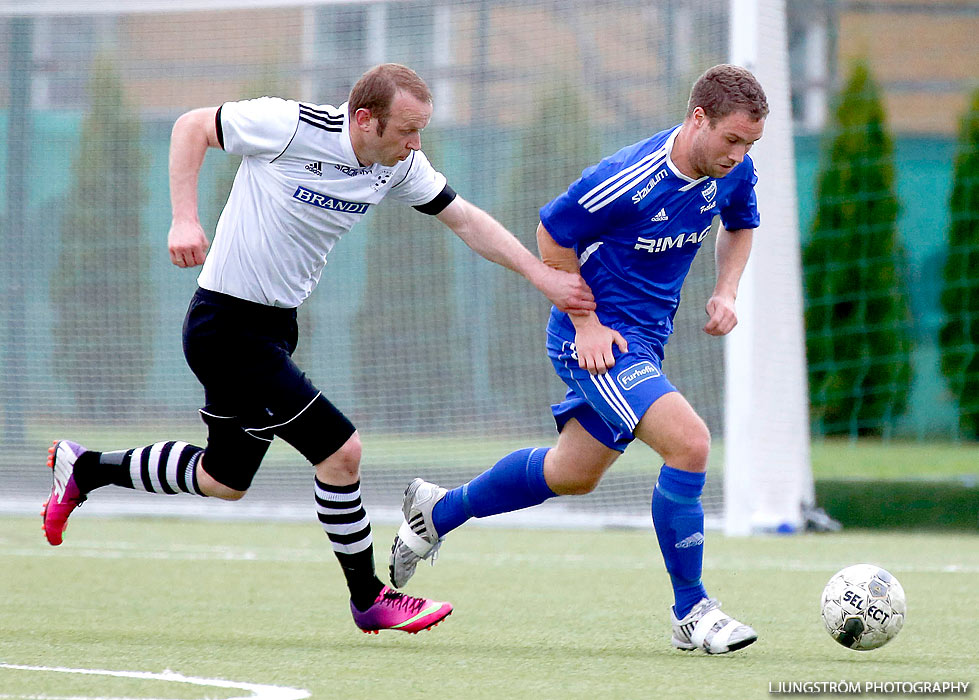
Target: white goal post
767	468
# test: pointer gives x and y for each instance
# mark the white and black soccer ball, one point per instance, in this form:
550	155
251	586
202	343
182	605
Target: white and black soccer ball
863	607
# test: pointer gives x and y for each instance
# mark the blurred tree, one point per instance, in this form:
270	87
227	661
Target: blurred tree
552	150
959	336
102	338
857	316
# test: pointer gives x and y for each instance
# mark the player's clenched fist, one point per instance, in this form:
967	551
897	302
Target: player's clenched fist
187	243
722	317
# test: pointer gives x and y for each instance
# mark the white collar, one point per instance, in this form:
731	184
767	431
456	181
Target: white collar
672	166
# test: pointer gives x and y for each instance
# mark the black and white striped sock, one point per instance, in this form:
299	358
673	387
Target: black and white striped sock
348	526
164	467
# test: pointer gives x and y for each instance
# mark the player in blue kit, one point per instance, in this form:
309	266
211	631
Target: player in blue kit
632	225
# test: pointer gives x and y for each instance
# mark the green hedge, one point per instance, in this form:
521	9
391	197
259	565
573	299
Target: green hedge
904	505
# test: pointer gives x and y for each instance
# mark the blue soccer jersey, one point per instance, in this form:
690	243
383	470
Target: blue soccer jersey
636	223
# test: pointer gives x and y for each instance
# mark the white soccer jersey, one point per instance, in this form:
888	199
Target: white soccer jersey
299	188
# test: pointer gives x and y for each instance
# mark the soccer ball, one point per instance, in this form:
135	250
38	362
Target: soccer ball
863	607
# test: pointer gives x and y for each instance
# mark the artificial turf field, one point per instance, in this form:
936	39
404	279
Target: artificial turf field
539	614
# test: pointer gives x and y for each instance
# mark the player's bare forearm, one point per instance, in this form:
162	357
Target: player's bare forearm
487	237
555	255
732	251
193	133
560	258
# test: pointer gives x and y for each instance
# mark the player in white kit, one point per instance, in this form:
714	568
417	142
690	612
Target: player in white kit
308	174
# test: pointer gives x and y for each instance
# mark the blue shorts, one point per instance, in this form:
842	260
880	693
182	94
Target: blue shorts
609	406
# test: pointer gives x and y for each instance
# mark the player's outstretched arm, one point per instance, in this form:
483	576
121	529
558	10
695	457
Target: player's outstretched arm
193	133
732	251
485	235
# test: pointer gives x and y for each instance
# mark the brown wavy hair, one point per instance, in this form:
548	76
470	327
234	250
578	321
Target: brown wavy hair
725	89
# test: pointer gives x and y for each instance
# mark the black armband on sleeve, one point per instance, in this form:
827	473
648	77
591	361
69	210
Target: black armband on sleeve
217	126
441	201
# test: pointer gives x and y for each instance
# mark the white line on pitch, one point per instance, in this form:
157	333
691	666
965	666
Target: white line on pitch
258	691
190	552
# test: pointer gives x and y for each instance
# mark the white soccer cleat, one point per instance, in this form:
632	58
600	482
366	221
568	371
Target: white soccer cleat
416	538
707	627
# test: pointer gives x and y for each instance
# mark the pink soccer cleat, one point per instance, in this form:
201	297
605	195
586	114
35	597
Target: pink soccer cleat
396	611
65	496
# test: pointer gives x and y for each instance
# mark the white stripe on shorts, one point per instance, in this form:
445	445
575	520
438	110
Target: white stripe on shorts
607	389
613	397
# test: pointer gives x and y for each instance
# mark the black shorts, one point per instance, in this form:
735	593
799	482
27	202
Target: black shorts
242	353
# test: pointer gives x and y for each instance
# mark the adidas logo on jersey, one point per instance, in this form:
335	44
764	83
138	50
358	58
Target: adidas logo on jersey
315	168
661	216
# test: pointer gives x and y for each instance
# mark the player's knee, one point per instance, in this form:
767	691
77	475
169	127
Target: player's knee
571	482
347	458
696	449
210	486
344	464
579	486
226	494
572	471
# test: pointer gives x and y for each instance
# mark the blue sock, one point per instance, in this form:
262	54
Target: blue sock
678	517
515	482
